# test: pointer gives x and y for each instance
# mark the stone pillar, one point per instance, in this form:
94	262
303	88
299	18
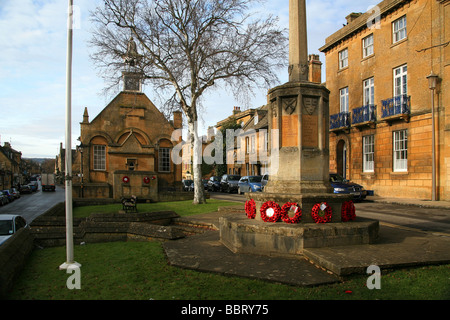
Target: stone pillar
298	41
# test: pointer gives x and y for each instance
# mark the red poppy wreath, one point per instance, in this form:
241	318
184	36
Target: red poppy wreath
348	211
294	207
250	209
270	211
321	212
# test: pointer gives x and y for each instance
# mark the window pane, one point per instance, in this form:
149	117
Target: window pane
99	157
400	151
164	160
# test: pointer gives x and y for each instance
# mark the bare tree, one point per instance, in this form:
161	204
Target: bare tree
188	47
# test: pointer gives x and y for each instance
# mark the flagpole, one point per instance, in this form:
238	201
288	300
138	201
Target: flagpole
68	155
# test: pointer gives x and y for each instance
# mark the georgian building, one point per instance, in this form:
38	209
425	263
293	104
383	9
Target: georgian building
381	119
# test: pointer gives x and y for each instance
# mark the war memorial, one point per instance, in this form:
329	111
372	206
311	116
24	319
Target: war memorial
298	208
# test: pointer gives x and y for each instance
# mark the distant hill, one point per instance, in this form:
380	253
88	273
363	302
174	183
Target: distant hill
38	160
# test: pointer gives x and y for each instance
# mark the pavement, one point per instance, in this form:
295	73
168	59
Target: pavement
395	248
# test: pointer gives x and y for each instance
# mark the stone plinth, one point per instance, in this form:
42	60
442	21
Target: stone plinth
242	235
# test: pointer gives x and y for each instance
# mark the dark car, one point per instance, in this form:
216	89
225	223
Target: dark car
229	183
214	183
344	186
250	184
25	189
3	199
9	225
8	195
187	184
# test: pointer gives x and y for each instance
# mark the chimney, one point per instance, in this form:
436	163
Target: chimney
352	16
315	69
236	110
178	120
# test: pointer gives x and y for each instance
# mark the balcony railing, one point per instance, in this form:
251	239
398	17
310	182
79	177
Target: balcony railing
396	106
340	121
367	113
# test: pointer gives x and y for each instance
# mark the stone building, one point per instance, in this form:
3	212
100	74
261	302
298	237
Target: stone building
127	148
10	167
377	69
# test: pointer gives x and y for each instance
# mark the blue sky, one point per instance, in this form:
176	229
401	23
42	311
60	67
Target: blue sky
33	41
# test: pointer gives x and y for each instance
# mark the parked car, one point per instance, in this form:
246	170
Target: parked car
186	184
229	183
15	192
9	225
8	195
344	186
214	184
3	199
264	180
249	184
34	186
25	189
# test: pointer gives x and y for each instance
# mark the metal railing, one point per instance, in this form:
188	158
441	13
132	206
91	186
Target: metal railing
340	120
398	105
364	114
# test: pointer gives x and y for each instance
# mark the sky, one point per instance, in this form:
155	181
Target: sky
33	50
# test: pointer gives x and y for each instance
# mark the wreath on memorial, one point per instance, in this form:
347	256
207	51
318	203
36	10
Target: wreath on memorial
321	212
126	179
250	209
291	206
146	180
348	211
270	211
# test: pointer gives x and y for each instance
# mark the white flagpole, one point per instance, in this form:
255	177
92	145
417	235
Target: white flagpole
68	155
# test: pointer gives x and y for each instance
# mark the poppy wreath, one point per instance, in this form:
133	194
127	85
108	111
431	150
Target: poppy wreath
321	212
250	209
270	211
291	206
146	180
126	179
348	211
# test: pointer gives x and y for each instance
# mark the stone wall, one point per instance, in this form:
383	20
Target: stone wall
13	256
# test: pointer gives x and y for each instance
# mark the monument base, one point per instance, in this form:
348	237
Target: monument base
255	236
243	235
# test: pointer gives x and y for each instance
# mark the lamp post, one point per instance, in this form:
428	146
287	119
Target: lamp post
432	80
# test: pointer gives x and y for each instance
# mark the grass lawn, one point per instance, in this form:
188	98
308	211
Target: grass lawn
139	271
183	208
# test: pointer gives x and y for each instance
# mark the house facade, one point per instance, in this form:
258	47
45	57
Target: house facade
378	69
127	149
10	167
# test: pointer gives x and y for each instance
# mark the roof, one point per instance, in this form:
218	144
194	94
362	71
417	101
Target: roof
361	23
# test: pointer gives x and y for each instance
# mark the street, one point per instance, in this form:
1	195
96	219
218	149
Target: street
31	206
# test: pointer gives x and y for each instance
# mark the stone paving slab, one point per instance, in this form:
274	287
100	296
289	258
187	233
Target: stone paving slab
395	248
205	253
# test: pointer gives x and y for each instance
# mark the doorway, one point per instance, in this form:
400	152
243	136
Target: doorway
341	159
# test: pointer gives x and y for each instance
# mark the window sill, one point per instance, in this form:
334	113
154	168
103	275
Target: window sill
368	57
343	69
398	43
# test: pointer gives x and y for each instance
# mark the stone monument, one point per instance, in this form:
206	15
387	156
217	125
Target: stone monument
299	111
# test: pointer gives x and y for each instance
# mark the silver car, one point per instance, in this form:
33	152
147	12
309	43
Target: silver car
9	225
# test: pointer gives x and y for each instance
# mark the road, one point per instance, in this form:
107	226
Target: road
31	206
410	217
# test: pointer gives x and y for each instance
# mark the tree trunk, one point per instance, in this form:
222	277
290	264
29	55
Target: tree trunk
199	194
